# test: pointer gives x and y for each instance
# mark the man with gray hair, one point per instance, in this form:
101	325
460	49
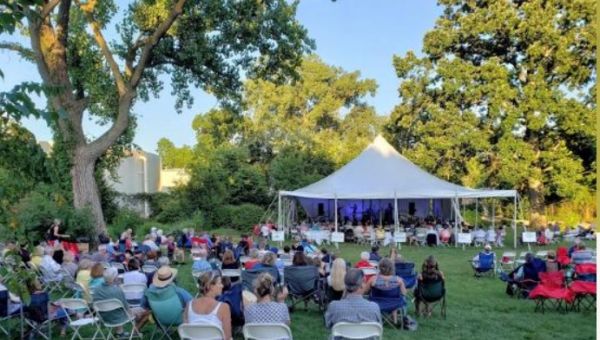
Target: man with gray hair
353	307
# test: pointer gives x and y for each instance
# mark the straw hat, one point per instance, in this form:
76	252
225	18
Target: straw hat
164	276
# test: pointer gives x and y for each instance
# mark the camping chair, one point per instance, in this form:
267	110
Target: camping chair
38	317
406	270
200	332
88	319
389	302
359	330
167	310
486	264
5	314
551	289
586	272
562	256
233	297
421	236
585	295
507	263
113	306
302	283
429	293
267	331
134	292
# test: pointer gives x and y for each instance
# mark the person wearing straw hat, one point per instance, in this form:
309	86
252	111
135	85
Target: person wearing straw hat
162	280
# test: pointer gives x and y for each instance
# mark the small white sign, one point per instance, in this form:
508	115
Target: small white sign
529	237
277	236
464	238
337	237
400	237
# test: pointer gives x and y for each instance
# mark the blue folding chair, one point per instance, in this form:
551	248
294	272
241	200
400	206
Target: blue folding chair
389	301
406	270
485	265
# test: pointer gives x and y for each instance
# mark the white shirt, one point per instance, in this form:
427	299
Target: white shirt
52	269
264	230
151	244
134	277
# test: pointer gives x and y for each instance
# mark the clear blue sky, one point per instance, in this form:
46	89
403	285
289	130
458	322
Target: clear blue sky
352	34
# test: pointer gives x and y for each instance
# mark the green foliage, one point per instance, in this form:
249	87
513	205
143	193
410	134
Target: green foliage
292	169
503	97
124	220
33	214
16	277
240	217
174	157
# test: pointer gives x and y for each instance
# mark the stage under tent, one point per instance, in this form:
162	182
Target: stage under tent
383	185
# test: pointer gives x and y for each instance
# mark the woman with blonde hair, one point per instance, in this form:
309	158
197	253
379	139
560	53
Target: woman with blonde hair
265	310
335	280
229	261
206	309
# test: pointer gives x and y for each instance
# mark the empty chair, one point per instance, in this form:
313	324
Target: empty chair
507	263
406	270
362	330
267	331
87	320
200	332
302	284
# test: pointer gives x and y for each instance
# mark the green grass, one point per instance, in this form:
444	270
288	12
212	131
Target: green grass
476	308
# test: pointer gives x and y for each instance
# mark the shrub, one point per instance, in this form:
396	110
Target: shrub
125	219
240	217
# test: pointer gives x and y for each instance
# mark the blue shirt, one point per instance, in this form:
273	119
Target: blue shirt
353	308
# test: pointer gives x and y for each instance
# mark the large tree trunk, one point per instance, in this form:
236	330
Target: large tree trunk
85	190
535	191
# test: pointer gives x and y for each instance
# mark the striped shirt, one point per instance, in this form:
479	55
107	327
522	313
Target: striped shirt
353	308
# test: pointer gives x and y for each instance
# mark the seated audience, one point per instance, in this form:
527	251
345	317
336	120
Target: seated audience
266	310
551	263
50	267
335	280
206	309
164	279
229	260
68	265
110	290
487	250
268	261
353	307
581	255
84	275
374	255
96	276
387	279
300	259
134	275
364	261
253	261
200	263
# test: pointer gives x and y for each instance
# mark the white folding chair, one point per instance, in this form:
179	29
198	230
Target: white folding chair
266	331
231	272
134	293
112	305
361	330
148	269
80	307
542	254
200	332
507	262
521	259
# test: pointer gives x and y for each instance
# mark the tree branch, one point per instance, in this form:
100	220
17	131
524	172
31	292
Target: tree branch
23	51
153	40
48	8
62	27
88	9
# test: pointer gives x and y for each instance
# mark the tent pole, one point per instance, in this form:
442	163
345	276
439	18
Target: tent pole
396	219
476	213
279	215
456	208
515	221
493	213
335	205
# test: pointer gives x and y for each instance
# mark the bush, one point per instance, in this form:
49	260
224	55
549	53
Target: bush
124	220
32	216
240	217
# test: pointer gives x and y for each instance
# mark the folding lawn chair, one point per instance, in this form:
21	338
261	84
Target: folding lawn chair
104	307
551	289
585	295
233	297
406	270
167	310
359	330
507	263
302	283
134	292
542	254
486	264
37	316
430	293
389	301
88	319
267	331
586	272
200	332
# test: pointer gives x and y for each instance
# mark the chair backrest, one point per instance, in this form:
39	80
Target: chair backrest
78	305
267	331
3	303
166	305
37	310
200	332
432	290
119	266
109	306
543	254
301	279
508	256
133	291
553	279
486	261
360	330
405	268
148	269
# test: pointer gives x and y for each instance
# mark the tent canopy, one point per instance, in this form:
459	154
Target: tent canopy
381	172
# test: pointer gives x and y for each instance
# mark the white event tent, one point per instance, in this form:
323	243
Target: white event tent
382	173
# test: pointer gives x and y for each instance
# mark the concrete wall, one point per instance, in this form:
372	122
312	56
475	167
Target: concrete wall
170	178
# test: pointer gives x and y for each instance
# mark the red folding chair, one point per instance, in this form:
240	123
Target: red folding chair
552	290
562	256
585	294
586	272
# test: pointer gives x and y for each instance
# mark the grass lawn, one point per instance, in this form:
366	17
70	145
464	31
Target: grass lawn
476	308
